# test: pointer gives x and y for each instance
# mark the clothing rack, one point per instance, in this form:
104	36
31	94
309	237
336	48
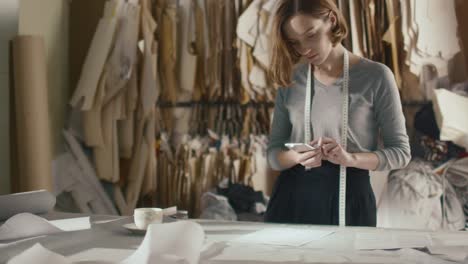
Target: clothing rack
250	104
214	104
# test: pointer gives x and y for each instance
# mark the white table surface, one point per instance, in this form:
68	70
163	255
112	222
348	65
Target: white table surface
337	248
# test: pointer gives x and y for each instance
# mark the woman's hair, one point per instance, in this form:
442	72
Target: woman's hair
284	57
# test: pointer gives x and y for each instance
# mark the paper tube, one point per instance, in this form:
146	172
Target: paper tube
32	114
35	202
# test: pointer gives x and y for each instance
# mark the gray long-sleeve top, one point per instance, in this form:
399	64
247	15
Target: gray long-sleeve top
374	106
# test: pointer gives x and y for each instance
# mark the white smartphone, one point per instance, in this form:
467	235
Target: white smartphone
300	147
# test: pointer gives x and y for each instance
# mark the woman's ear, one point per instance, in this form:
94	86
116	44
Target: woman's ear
332	18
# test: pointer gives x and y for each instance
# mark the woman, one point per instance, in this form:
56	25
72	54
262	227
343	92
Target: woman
340	90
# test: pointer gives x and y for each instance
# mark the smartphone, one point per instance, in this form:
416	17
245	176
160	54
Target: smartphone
300	147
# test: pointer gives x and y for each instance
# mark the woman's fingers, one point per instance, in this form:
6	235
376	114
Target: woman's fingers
328	150
335	150
308	155
328	147
313	162
314	142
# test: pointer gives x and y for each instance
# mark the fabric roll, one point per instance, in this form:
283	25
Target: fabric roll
32	114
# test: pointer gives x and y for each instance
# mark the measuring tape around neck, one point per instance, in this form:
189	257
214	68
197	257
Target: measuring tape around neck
344	130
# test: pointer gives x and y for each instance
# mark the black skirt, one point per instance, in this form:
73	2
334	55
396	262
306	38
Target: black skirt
311	197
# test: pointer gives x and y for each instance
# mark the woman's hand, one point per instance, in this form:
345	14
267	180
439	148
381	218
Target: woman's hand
334	152
309	159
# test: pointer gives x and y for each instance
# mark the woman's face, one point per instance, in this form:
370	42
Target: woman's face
310	36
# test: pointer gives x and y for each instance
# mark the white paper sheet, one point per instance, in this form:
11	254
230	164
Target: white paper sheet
238	253
374	256
283	236
28	225
39	255
401	256
233	227
391	240
243	253
110	255
455	253
340	240
222	237
412	256
72	224
179	242
268	254
211	250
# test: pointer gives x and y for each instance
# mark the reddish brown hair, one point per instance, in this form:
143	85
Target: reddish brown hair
284	57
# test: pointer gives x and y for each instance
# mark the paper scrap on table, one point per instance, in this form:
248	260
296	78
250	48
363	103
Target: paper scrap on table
212	249
170	211
28	225
283	236
72	224
391	240
170	243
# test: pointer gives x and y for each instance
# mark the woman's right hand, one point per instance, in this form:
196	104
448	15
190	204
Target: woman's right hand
309	159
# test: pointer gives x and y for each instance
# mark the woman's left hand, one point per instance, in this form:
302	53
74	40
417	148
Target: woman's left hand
334	152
